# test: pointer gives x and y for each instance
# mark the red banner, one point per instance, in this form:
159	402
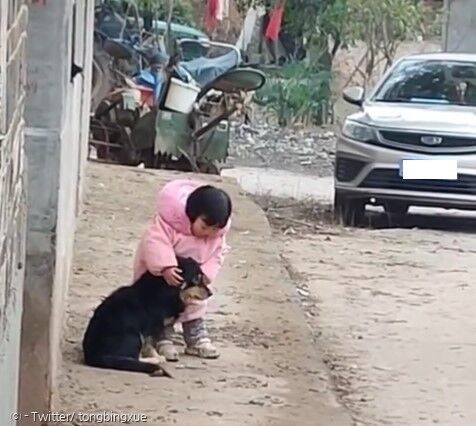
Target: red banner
275	21
211	14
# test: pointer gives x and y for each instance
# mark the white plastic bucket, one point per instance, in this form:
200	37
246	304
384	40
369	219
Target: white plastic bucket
181	96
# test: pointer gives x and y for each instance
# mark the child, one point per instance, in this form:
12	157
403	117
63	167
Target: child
191	220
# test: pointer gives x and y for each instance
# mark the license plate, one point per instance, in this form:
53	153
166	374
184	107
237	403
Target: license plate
443	169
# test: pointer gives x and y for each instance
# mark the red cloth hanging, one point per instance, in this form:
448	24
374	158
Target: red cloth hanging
211	14
275	20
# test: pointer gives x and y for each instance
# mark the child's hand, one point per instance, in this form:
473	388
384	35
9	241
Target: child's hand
173	276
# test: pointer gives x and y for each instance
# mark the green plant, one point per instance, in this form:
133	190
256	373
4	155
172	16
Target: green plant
298	94
316	22
433	22
325	26
243	5
383	25
183	12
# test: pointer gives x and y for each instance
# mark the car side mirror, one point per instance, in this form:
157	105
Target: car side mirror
354	95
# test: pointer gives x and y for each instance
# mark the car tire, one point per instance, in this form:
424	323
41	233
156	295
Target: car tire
396	208
348	212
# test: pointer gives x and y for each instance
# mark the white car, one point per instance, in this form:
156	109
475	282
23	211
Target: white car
413	142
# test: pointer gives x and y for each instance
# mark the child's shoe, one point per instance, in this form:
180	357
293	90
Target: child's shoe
203	349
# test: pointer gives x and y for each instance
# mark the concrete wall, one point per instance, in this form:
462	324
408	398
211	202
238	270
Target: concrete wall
459	28
13	21
56	115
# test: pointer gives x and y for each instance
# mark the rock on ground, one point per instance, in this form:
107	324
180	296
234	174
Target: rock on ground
308	151
270	372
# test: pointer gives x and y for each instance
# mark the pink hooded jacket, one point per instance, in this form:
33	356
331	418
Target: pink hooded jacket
168	235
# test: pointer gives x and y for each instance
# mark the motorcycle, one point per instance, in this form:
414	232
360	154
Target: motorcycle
122	44
175	114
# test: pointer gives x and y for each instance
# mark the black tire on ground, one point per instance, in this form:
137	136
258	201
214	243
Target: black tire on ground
398	208
129	157
348	211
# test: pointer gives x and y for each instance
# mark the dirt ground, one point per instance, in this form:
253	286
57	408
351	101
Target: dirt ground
392	308
270	371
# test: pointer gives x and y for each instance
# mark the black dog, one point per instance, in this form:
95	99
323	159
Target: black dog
131	314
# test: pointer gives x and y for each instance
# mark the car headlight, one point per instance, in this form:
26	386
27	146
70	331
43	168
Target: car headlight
357	131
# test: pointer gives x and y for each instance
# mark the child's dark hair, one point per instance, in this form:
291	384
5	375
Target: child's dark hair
210	203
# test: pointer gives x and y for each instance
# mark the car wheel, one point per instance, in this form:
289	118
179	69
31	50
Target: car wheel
398	208
349	212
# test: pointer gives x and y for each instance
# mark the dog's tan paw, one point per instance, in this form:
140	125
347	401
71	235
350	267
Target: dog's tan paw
152	353
148	348
160	359
150	360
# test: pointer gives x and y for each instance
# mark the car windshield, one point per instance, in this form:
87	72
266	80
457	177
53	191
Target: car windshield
430	82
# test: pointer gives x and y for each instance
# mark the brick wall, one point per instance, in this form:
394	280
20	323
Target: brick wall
56	136
13	20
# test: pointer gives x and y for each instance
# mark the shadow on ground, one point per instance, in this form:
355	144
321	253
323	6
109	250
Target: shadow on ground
292	216
439	220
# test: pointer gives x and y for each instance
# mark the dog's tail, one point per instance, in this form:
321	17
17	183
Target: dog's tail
124	364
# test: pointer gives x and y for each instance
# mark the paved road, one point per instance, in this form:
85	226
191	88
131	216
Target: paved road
395	311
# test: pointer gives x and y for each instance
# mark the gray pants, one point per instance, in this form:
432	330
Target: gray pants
193	332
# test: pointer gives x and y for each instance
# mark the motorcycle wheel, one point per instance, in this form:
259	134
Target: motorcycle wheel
101	77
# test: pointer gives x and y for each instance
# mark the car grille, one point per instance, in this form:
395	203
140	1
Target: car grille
347	168
414	139
390	179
